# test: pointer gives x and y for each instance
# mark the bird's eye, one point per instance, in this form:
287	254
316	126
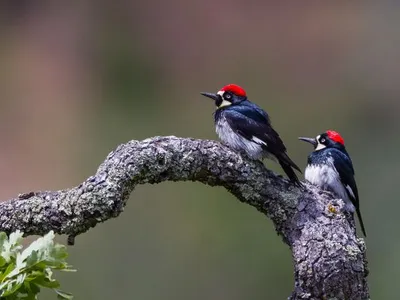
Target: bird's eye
322	140
227	96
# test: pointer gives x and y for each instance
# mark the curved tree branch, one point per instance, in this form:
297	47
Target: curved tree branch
329	260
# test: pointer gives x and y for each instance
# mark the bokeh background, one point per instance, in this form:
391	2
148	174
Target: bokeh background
80	77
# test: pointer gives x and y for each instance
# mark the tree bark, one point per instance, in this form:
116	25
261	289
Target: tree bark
329	259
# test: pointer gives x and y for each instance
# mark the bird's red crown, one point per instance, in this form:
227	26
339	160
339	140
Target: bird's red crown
335	136
235	89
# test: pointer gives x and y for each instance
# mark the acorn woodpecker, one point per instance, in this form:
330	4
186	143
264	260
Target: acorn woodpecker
244	126
330	167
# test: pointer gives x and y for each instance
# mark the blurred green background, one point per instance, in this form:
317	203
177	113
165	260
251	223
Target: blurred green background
79	78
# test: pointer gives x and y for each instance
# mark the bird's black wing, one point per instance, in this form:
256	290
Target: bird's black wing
344	167
255	127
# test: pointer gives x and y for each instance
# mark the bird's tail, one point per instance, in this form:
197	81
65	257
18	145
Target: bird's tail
361	221
287	164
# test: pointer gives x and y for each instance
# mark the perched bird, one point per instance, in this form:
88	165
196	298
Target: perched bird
330	167
244	126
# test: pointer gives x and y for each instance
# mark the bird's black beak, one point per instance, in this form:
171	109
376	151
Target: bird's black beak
211	95
312	141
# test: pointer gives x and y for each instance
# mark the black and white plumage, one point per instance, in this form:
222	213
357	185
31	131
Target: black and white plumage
244	126
330	167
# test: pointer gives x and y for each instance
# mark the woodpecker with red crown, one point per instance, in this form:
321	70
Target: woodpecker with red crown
330	167
244	126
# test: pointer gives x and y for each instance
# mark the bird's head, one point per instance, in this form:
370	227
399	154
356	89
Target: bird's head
230	94
328	139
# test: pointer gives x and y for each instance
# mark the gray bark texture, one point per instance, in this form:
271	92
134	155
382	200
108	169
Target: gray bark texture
329	259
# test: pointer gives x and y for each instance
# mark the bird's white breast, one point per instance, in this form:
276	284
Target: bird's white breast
236	141
326	177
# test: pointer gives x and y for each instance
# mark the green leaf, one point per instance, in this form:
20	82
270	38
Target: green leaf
46	282
13	286
8	270
2	261
33	275
34	288
31	290
3	238
31	258
12	246
63	295
23	273
68	268
21	277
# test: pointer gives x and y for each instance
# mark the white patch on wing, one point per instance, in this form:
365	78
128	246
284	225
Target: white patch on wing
326	177
350	190
258	141
237	142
